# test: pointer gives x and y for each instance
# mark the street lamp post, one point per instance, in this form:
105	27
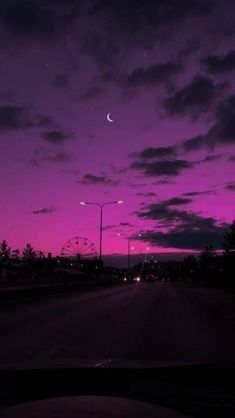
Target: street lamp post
129	254
129	249
101	219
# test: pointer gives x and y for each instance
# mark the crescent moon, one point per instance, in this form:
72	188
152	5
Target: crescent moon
108	118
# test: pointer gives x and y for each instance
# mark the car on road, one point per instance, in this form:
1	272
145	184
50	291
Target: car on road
128	279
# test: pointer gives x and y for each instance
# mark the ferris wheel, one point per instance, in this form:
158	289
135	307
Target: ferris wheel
78	247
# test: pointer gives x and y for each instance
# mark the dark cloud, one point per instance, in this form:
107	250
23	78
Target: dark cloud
125	224
230	187
46	19
44	120
232	159
151	76
103	49
165	213
121	27
220	63
188	238
194	99
102	180
159	152
61	80
38	20
147	194
211	158
108	227
176	201
43	155
191	46
185	229
137	185
17	117
163	182
47	210
195	143
56	137
162	165
162	168
25	17
205	192
118	170
116	25
93	93
60	157
224	129
221	133
13	118
146	17
143	78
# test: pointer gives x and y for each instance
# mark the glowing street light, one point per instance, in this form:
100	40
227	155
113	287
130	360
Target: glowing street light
83	203
129	247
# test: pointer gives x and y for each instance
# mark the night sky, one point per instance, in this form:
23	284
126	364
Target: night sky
164	70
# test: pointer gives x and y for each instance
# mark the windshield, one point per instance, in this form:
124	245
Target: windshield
117	241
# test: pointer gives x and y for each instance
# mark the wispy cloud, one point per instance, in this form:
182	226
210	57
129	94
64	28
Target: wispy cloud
220	63
14	118
61	80
91	179
230	187
45	211
195	98
43	155
56	137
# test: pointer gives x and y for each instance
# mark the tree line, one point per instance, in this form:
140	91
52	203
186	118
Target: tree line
6	254
215	268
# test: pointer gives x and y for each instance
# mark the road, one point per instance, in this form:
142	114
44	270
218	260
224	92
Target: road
135	324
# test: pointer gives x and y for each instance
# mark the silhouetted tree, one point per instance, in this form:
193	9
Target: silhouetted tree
208	253
29	253
189	267
207	266
229	240
5	251
229	257
16	253
207	256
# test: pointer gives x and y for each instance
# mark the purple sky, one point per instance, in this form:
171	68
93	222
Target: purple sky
165	72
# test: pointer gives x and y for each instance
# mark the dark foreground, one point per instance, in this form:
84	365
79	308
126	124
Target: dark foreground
139	325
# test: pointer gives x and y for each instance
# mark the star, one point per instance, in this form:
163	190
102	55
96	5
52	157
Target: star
145	54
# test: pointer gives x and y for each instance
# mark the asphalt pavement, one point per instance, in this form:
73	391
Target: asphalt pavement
131	325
